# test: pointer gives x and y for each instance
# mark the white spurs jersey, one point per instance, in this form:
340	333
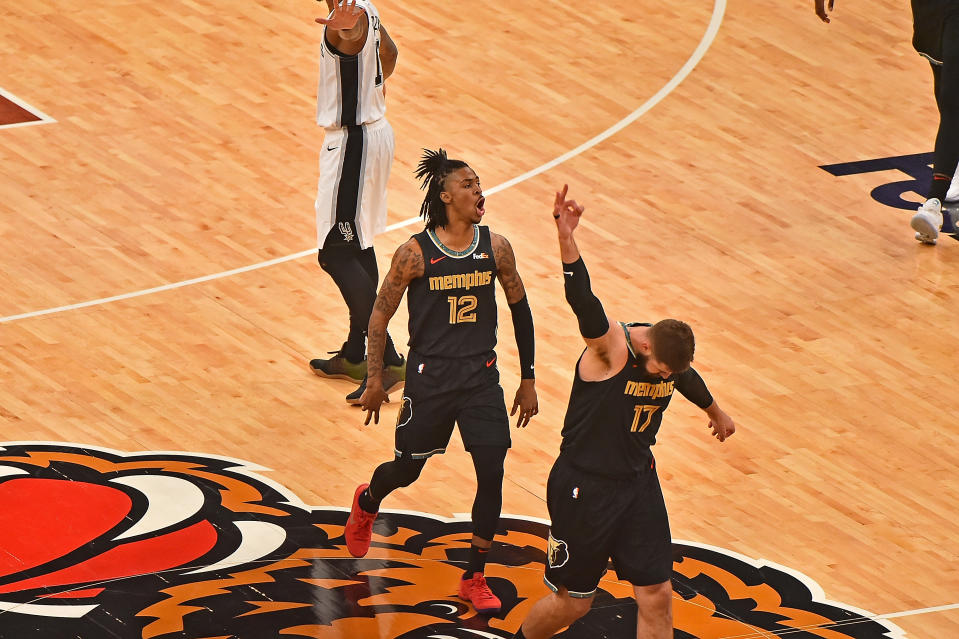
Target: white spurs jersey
351	87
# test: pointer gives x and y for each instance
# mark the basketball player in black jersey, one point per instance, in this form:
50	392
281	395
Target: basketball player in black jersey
603	494
452	376
936	38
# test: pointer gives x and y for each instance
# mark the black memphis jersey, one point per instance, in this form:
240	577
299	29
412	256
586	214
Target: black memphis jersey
452	307
610	425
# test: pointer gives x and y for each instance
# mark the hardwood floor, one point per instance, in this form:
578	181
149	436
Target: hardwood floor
185	146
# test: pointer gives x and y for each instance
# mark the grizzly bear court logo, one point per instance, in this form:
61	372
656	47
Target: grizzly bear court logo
101	544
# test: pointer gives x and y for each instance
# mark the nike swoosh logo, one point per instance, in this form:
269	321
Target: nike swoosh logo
332	148
434	260
490	363
570	273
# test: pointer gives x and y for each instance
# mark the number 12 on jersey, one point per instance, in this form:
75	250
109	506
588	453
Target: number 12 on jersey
461	309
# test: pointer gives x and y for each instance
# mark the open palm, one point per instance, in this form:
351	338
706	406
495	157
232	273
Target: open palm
344	16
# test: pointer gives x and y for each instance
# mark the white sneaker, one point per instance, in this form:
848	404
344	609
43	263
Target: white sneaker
927	221
952	195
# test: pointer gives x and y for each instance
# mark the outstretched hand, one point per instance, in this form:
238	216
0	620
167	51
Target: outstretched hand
566	213
345	16
821	9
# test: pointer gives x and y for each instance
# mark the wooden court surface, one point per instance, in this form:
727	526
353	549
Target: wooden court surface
184	146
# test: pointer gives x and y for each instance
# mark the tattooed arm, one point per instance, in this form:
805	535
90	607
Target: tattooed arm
407	265
525	399
506	269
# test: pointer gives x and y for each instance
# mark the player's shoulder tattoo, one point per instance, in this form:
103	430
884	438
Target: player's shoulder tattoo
408	260
506	268
407	265
502	252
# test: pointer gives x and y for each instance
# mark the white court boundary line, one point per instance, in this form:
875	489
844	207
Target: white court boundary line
44	118
918	611
719	9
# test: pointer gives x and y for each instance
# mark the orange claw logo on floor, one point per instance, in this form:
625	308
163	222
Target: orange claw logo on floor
100	544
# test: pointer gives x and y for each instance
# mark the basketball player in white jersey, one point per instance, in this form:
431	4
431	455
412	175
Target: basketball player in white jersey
357	56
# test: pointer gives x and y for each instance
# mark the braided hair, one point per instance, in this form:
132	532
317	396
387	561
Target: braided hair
433	169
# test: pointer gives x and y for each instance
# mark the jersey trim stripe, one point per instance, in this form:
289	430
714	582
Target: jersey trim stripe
450	252
349	77
348	195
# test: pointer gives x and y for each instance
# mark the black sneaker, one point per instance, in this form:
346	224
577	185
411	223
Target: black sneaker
393	378
338	367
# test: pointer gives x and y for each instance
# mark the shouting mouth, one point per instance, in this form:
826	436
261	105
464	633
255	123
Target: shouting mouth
480	205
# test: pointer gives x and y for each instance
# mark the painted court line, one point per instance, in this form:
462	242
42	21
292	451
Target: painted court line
44	118
719	9
918	611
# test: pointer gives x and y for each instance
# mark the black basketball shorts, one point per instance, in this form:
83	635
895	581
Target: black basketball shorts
595	519
441	392
934	22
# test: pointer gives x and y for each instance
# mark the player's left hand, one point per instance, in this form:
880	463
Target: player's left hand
722	426
526	402
566	213
345	16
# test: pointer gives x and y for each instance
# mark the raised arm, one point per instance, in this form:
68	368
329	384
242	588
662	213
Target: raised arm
525	399
406	266
605	343
345	30
388	52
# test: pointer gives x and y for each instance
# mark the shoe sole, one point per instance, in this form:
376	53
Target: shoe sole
925	232
319	373
483	611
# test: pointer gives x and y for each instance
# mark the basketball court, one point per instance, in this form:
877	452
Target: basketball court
170	467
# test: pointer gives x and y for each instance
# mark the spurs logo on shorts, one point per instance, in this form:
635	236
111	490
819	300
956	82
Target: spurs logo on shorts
557	554
346	230
153	545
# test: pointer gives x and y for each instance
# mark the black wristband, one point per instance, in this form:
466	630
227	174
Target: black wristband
523	330
589	311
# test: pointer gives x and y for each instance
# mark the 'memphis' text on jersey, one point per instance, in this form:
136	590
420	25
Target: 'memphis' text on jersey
461	280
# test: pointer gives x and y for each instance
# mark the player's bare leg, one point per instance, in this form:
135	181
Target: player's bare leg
654	620
554	612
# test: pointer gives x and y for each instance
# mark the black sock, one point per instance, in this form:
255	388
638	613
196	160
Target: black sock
390	356
939	187
354	350
477	562
367	502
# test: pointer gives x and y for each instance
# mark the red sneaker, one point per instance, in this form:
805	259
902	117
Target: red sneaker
359	527
478	593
